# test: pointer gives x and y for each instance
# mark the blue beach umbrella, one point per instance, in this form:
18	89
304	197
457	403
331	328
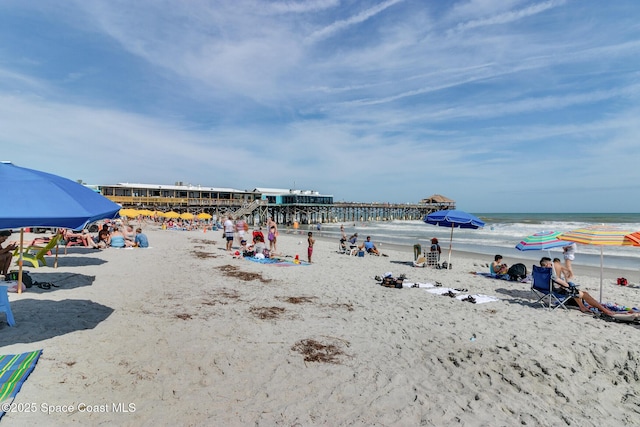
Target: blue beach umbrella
452	219
32	198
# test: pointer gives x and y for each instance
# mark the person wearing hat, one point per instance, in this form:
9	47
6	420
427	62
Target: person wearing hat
6	254
435	248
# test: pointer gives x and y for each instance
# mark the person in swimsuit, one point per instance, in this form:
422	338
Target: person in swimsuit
117	240
311	241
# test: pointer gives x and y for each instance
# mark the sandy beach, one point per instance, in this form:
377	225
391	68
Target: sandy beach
183	333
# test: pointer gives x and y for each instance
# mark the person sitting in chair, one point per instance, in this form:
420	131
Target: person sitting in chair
566	288
6	254
82	237
369	246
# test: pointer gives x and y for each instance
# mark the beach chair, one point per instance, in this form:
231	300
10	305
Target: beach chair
352	249
542	288
432	259
72	241
5	307
35	254
419	259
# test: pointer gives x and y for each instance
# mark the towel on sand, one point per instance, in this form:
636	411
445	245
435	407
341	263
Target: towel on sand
480	299
406	284
14	370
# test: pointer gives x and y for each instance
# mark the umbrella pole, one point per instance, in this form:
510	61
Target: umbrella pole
601	266
450	243
20	261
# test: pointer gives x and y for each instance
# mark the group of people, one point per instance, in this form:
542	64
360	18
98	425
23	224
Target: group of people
110	235
352	243
237	229
561	275
498	268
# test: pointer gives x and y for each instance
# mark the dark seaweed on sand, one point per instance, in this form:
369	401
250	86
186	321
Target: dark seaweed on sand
267	312
314	351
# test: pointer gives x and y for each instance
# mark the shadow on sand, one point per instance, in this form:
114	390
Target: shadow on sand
60	280
38	320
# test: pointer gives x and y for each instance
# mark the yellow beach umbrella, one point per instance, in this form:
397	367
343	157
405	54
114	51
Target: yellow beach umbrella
145	212
171	214
204	215
187	216
129	213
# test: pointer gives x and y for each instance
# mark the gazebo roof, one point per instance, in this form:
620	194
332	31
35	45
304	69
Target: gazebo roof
436	198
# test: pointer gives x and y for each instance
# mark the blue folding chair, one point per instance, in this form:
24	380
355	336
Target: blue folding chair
5	306
542	288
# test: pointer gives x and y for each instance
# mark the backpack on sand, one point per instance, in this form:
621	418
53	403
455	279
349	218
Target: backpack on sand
517	272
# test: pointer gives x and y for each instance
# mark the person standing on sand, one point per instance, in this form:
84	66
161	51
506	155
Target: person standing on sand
311	241
273	239
229	228
569	255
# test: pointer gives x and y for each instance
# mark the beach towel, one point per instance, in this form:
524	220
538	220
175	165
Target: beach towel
14	370
278	262
479	298
406	284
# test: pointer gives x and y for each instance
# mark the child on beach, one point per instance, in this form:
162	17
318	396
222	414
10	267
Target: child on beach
311	241
141	240
273	238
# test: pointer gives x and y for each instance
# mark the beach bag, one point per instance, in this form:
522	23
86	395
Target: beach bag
622	281
26	279
517	272
390	282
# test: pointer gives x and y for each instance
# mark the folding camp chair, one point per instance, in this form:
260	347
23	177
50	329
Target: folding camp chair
419	259
542	288
432	259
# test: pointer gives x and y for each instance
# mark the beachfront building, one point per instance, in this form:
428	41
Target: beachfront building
216	201
286	206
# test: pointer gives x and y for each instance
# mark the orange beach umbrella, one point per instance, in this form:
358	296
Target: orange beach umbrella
634	237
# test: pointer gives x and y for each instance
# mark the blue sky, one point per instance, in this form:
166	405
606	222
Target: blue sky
501	105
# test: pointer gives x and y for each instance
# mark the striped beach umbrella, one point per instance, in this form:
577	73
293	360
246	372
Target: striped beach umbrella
634	237
542	241
600	235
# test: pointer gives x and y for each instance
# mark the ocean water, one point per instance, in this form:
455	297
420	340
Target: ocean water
502	232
